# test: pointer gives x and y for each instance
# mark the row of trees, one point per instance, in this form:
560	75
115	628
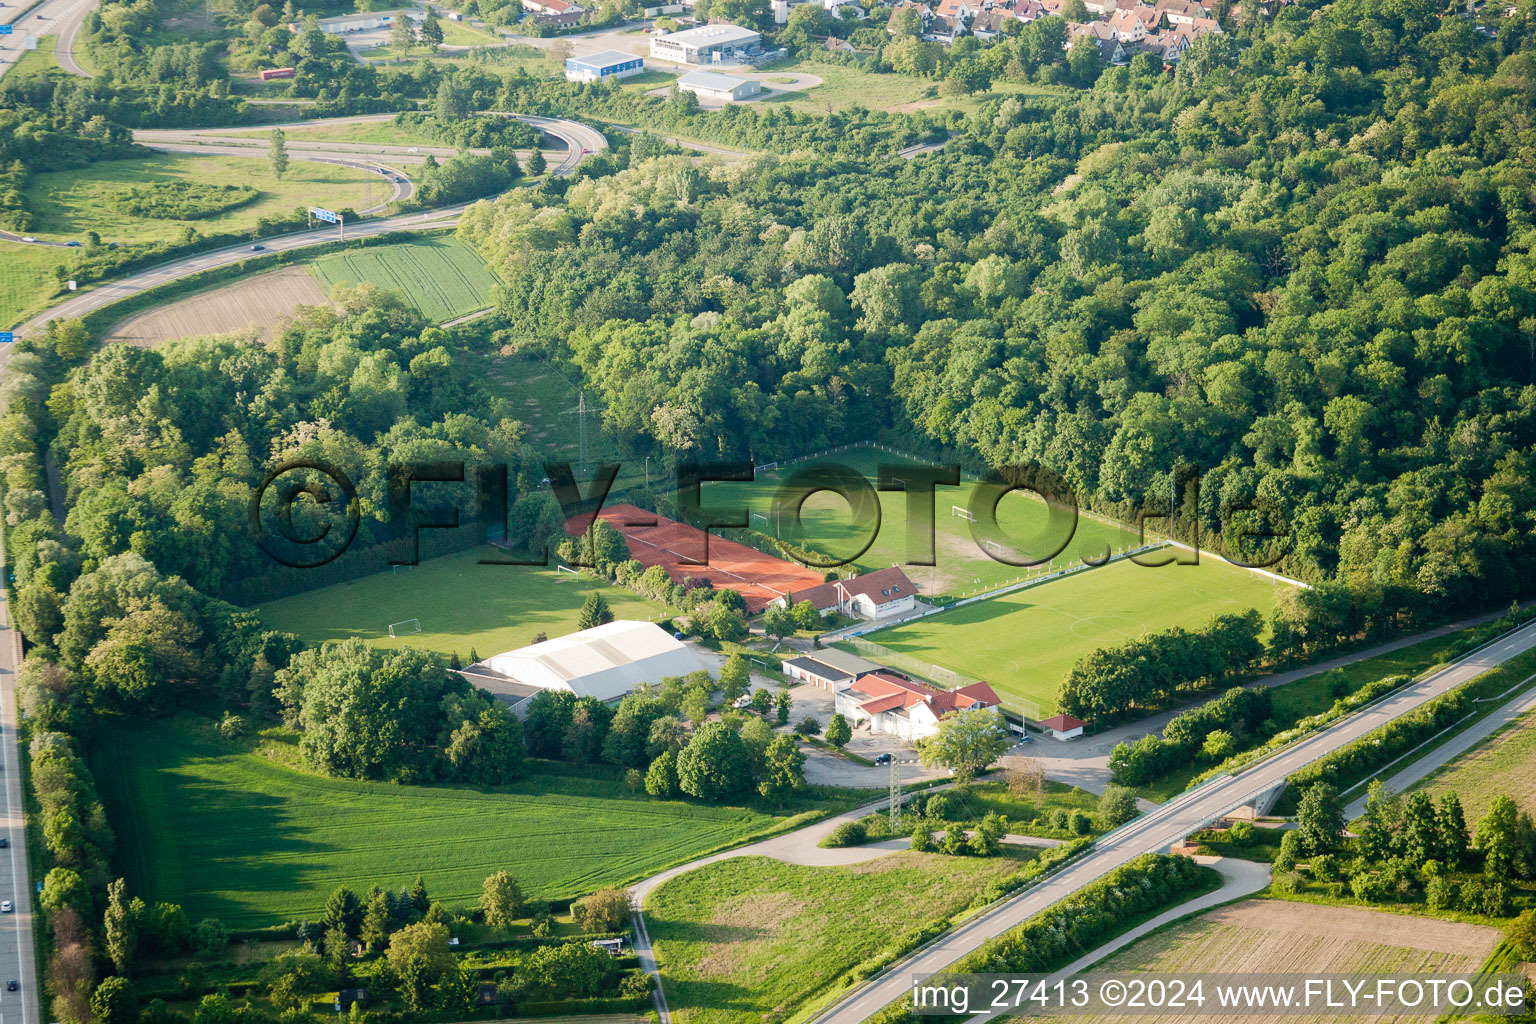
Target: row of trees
1210	733
1145	673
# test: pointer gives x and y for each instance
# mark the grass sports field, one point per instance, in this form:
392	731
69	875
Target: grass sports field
1025	642
70	203
227	829
1268	936
461	604
750	939
441	277
963	565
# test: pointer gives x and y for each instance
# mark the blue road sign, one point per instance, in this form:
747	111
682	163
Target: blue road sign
5	30
325	215
6	337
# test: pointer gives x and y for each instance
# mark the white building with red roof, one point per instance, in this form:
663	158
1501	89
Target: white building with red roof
889	702
874	595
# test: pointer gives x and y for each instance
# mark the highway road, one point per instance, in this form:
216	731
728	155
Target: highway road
1160	828
18	953
580	141
59	19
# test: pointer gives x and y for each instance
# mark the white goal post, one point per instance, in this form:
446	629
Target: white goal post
956	510
405	627
564	568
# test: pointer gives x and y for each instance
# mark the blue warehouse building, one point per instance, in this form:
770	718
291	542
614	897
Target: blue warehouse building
594	67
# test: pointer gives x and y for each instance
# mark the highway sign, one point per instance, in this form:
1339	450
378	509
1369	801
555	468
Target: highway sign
325	215
6	337
5	30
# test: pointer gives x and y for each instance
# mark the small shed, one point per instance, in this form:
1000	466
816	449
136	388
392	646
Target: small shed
1063	727
613	947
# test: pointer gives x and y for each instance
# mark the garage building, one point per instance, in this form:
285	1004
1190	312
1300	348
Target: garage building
594	67
707	44
707	85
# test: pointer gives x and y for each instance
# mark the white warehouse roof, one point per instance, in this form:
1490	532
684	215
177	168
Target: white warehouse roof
706	34
605	661
604	58
711	81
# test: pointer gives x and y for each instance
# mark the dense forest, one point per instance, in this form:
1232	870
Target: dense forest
1302	264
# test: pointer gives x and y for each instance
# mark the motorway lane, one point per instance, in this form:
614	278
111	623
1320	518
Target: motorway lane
18	954
60	18
1158	829
579	139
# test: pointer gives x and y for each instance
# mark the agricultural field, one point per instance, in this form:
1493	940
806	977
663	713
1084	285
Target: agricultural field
442	277
27	280
70	203
1025	642
232	829
1502	765
259	304
461	605
963	566
1267	936
750	939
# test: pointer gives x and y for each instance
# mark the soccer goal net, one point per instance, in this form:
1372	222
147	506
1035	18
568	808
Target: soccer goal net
405	627
956	510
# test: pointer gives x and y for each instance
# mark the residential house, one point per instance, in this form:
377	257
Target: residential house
989	23
836	45
1168	45
1028	10
1180	12
557	12
874	595
1133	24
889	702
1112	51
924	13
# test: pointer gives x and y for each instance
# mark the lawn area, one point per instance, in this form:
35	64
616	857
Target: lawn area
1310	696
455	33
1502	765
1271	937
26	278
461	605
843	86
1024	643
227	829
442	277
963	565
70	203
751	940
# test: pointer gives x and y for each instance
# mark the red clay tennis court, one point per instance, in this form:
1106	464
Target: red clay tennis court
657	540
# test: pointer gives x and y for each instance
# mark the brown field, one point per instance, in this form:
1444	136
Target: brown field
1272	936
258	304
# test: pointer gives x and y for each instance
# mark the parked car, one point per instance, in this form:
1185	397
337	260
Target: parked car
742	702
883	758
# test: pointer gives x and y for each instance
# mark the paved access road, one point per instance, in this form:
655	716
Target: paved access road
1160	828
580	141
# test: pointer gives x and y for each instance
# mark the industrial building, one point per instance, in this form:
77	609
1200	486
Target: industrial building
605	662
707	85
594	67
367	22
707	44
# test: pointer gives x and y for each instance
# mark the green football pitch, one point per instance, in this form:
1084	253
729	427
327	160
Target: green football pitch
1025	642
964	563
227	829
459	604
